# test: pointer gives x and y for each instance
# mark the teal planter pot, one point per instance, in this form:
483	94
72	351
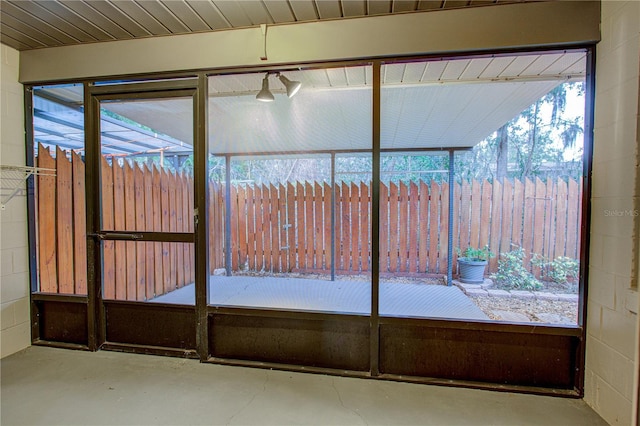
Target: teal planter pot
471	270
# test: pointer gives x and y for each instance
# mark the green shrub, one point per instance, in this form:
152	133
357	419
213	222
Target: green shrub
512	275
561	270
476	253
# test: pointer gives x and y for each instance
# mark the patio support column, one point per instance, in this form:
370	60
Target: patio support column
374	339
333	216
227	214
450	230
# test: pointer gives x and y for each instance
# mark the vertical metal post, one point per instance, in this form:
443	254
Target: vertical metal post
227	214
31	209
96	323
374	354
450	230
333	216
201	190
585	220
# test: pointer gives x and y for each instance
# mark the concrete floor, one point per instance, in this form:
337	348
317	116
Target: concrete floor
55	386
345	296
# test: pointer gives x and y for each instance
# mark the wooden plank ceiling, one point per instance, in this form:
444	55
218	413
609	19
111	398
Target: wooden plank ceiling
35	24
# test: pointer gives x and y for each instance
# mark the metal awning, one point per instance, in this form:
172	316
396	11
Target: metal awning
427	104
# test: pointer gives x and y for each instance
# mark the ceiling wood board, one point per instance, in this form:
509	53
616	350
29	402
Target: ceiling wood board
69	22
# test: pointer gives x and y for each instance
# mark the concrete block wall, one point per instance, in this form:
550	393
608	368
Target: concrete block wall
613	299
15	329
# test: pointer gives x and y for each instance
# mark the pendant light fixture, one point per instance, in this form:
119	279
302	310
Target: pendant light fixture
292	86
265	94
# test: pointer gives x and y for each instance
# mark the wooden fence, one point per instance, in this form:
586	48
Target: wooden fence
134	198
282	228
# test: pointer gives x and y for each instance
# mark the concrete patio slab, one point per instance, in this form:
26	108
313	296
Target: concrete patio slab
345	296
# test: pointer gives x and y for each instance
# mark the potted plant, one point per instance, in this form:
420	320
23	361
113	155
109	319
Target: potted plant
472	263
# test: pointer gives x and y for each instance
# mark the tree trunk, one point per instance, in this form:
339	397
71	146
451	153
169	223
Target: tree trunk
503	152
533	135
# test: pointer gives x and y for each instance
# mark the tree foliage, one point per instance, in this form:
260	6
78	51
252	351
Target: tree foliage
542	141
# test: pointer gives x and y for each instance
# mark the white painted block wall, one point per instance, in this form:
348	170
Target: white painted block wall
612	303
15	333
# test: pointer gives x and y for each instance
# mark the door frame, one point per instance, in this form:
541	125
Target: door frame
142	314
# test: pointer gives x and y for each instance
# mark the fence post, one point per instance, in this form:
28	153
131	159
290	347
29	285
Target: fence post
450	224
333	216
227	214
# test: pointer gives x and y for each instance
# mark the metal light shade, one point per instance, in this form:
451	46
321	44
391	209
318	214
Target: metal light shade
265	94
292	86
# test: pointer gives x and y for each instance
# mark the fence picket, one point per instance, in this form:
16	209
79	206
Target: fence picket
282	216
47	223
528	223
578	216
494	235
538	222
120	248
316	226
251	228
187	248
549	219
300	227
64	222
189	189
414	227
356	251
444	228
180	248
456	224
308	225
243	248
423	227
79	224
157	227
403	238
485	214
517	233
326	203
290	230
573	219
365	226
476	214
166	226
561	228
434	207
393	227
259	209
346	226
508	204
140	214
130	225
108	247
275	228
233	204
465	206
338	228
149	247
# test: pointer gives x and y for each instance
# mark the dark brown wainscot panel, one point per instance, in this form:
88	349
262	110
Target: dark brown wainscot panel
62	321
543	357
326	341
148	324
